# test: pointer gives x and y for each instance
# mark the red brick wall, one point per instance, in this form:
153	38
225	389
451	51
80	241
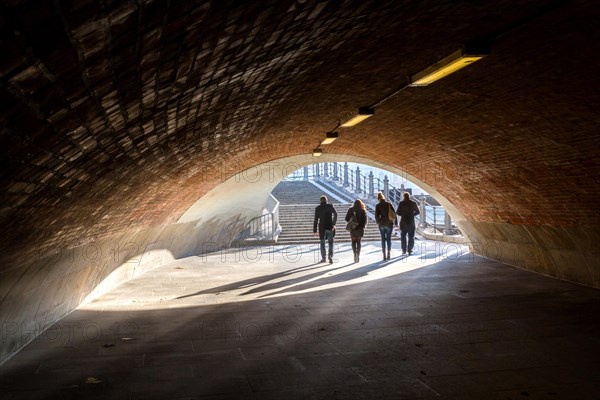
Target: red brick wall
116	117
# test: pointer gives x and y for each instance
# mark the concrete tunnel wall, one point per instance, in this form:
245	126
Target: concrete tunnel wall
117	116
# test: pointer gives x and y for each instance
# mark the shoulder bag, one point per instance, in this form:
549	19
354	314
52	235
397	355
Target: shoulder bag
352	224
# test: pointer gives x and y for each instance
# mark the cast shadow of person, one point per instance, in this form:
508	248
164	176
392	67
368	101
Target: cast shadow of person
354	273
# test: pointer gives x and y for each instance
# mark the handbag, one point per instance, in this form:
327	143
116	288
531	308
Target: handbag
352	224
391	213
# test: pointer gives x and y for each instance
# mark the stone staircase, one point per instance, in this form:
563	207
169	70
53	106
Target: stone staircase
297	202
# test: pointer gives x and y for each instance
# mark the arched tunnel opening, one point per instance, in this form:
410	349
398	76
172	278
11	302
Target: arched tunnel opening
345	183
216	222
139	139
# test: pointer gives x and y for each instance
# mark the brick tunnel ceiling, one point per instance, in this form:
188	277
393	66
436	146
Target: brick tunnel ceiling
117	114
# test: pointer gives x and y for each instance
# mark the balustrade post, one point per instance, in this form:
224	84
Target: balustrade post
386	187
335	172
371	184
434	220
325	170
346	174
447	224
305	173
423	211
317	172
358	180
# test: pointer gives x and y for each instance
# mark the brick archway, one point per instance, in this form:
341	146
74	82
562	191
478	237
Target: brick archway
118	116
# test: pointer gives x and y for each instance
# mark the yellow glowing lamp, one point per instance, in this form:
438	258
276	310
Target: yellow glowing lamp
330	138
455	61
363	113
317	152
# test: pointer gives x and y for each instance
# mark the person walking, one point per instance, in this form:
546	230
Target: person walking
359	212
407	210
325	219
385	223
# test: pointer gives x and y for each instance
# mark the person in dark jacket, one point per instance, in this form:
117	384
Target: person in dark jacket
407	210
325	219
359	211
386	226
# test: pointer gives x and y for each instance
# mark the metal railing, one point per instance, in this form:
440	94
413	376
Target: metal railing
261	227
265	226
434	217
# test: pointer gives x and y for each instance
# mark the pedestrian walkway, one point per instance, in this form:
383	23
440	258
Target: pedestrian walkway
273	323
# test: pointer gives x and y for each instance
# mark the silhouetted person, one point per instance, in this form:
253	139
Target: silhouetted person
386	226
407	210
359	211
325	217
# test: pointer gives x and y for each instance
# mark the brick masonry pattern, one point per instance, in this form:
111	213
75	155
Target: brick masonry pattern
109	109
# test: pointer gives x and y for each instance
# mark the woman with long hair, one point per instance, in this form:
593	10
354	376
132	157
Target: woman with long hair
386	225
359	212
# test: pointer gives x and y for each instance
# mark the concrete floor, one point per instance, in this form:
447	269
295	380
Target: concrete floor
271	323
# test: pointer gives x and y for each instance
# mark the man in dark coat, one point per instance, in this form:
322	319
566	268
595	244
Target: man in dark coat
325	218
407	210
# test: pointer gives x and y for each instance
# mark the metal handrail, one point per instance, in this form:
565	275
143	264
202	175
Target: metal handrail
265	226
261	227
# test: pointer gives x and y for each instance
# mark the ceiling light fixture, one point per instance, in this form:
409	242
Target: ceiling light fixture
317	152
363	113
330	138
455	61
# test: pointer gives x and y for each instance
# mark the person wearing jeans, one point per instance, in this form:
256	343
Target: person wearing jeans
325	220
407	210
386	226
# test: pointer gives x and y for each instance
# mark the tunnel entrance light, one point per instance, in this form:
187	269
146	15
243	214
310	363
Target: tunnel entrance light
330	138
363	113
455	61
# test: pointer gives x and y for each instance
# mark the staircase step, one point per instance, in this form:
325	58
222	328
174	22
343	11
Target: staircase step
297	202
